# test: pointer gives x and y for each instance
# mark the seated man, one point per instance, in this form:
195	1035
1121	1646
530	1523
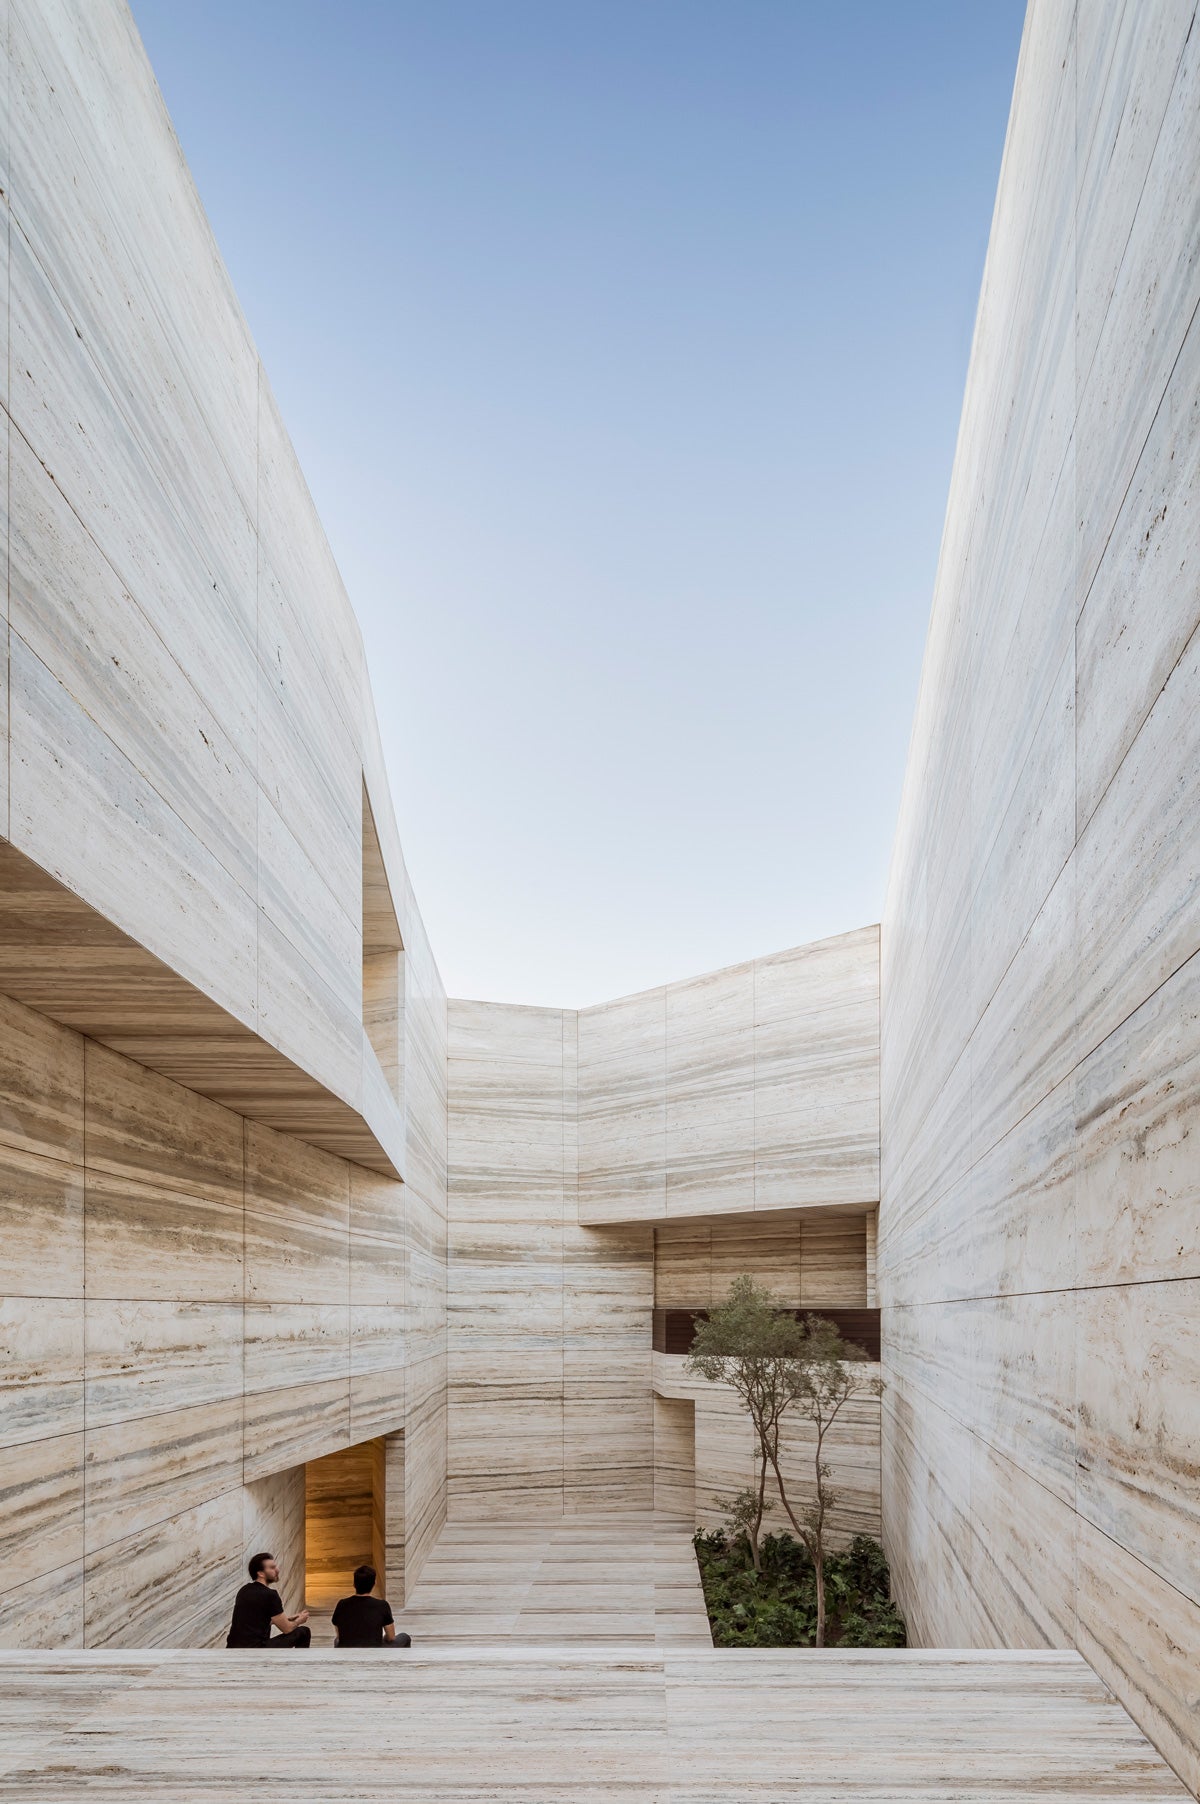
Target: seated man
363	1620
257	1609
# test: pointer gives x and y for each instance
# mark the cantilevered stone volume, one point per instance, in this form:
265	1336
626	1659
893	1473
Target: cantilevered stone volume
297	1254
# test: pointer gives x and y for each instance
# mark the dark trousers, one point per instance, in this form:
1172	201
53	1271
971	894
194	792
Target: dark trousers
297	1638
402	1640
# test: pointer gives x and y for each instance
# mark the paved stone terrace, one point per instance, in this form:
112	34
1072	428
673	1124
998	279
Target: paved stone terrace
613	1580
638	1726
620	1580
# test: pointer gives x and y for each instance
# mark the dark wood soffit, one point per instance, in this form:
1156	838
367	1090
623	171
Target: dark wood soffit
674	1329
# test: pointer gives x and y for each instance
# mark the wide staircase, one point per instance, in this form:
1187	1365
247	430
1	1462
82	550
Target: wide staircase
566	1664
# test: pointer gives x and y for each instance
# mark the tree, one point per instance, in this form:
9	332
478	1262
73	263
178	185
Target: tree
821	1377
751	1344
777	1365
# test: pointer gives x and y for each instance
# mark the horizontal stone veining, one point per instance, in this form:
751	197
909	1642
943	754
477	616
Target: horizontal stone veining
1038	1243
751	1088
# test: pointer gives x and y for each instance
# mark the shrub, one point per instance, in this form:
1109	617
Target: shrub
777	1607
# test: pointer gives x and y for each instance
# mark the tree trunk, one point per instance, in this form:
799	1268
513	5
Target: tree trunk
819	1533
815	1544
758	1520
783	1498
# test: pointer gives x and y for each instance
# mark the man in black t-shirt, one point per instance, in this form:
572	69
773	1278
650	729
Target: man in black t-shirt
258	1608
363	1620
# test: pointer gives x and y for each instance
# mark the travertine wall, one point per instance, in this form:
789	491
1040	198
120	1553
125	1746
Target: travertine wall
720	1439
425	1254
192	1304
1039	1256
190	777
185	741
675	1459
755	1087
273	1515
549	1322
550	1309
804	1260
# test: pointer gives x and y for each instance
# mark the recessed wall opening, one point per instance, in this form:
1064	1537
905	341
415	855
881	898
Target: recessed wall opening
675	1460
818	1259
354	1516
382	960
815	1259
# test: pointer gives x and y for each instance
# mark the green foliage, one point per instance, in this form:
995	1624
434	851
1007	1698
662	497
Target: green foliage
778	1606
744	1511
748	1342
746	1332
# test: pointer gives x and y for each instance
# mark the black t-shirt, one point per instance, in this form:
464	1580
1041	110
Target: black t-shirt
253	1608
360	1621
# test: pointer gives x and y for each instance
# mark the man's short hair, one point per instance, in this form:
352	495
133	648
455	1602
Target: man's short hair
364	1579
257	1561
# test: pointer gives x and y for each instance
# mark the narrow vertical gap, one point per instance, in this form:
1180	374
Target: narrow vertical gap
1075	787
257	703
245	1162
381	949
83	1557
754	1085
879	1086
666	1151
349	1309
562	1249
8	440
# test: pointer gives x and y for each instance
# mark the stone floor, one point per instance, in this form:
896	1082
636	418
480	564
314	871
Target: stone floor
511	1725
596	1581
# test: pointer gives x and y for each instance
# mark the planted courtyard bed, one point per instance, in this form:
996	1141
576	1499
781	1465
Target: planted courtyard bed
777	1607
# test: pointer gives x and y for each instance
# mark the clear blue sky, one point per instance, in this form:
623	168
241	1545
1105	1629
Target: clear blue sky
623	344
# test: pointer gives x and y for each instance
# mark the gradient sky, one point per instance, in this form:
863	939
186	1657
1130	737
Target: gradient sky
623	344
